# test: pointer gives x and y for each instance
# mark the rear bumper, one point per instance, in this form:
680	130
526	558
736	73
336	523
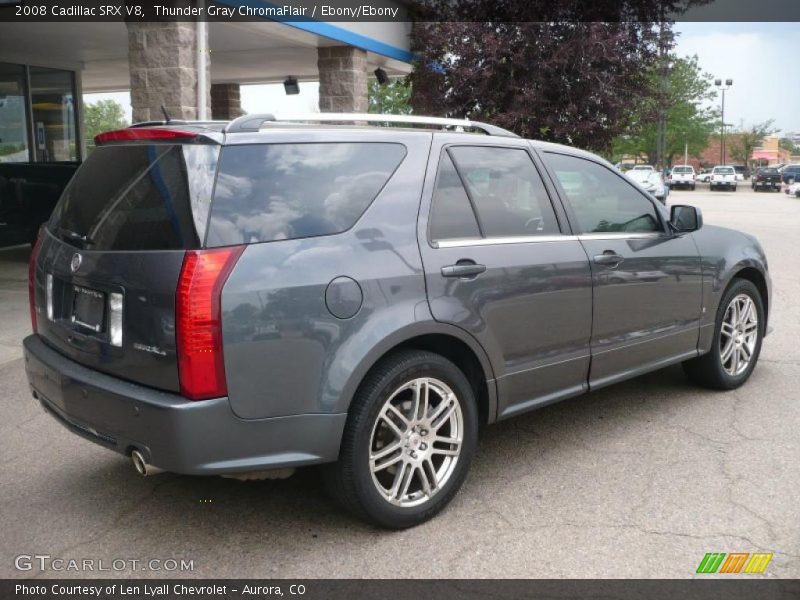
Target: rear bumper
195	438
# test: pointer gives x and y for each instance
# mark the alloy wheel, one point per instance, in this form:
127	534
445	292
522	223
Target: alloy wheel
416	442
738	335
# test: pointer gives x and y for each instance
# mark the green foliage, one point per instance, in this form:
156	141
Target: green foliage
394	98
787	144
748	139
103	115
688	120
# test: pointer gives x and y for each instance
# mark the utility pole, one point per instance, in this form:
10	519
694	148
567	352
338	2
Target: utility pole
663	83
724	88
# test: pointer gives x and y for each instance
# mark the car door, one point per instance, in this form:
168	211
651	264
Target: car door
501	263
647	279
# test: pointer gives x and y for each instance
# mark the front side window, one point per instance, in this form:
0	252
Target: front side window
490	192
601	200
269	192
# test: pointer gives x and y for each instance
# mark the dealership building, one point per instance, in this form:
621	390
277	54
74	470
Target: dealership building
193	69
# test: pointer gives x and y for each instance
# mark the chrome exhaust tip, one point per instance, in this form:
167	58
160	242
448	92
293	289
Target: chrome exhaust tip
141	466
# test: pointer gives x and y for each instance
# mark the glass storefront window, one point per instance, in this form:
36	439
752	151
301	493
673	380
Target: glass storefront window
13	121
53	108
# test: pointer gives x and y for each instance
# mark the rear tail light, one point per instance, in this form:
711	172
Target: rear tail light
198	319
32	280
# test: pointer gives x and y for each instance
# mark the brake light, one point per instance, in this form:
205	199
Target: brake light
32	280
198	321
143	133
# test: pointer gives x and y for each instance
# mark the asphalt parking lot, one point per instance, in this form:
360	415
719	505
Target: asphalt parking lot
637	480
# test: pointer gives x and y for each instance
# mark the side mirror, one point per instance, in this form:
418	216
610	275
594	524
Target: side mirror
685	218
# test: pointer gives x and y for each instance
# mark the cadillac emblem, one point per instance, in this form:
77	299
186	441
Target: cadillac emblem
75	263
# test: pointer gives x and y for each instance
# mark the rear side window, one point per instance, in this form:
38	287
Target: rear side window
138	197
271	192
452	217
490	192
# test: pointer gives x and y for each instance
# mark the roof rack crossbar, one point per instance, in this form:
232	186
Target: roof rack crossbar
252	123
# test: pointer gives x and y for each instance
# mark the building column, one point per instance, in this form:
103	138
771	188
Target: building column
226	102
342	79
162	58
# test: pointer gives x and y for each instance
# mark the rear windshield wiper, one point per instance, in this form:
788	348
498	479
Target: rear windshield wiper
85	240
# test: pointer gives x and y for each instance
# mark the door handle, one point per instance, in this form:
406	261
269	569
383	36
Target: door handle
609	258
463	268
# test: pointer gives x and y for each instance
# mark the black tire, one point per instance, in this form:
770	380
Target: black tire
693	188
350	479
707	370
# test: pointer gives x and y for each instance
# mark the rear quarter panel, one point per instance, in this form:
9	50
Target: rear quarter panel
285	353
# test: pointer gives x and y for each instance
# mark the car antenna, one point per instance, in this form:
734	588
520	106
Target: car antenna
166	114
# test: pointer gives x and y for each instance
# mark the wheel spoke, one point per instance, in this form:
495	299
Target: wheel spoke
390	408
725	355
407	483
427	476
399	478
443	414
386	451
727	329
444	452
736	358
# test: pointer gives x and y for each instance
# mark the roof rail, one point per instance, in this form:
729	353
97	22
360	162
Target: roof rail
174	122
253	123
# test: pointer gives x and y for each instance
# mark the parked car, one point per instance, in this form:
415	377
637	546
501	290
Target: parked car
651	182
742	172
643	168
723	178
790	174
236	298
704	176
682	176
766	178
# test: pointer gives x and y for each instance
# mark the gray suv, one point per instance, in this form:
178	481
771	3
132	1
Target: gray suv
241	297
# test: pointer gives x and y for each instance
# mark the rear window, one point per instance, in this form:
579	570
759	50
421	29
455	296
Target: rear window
271	192
138	197
723	170
683	170
768	171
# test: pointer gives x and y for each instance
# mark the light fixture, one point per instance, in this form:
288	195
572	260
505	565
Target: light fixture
291	86
381	76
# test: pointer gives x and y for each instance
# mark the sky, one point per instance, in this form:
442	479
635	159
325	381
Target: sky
756	56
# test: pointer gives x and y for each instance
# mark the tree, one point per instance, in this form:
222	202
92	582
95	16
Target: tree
787	144
564	71
103	115
393	98
688	119
748	139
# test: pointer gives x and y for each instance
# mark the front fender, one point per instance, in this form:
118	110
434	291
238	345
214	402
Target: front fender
725	253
